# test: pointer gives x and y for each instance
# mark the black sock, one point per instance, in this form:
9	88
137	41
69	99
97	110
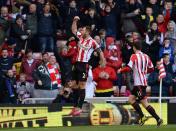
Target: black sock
75	97
138	109
81	98
151	110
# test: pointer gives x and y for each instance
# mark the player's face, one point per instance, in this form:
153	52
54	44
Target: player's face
85	33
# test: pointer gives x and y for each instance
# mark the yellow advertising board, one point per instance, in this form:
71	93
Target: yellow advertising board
53	116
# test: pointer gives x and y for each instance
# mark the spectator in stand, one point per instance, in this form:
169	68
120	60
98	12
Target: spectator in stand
102	34
167	49
104	76
174	83
171	33
10	45
155	7
153	41
109	20
45	58
48	79
112	54
4	24
9	88
147	18
28	66
91	19
127	49
31	25
167	64
24	89
154	82
168	11
162	23
19	33
6	62
130	16
70	12
46	30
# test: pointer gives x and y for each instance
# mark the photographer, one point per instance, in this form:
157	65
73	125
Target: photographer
65	94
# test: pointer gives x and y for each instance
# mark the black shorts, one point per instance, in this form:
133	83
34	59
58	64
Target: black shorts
139	92
80	71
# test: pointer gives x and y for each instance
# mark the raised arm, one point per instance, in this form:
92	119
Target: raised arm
74	25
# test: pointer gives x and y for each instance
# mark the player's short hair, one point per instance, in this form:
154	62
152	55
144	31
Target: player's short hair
88	28
137	45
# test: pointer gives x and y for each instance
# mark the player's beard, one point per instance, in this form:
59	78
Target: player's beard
84	36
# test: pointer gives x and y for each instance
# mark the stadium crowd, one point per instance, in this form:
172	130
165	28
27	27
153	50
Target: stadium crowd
38	49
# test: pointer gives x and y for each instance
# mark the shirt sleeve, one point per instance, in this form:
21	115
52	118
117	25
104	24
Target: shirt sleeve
132	60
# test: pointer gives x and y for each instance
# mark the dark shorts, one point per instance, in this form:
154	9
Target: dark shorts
139	92
80	71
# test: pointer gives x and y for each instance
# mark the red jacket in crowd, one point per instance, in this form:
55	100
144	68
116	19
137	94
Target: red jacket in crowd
113	57
104	84
28	69
162	27
72	51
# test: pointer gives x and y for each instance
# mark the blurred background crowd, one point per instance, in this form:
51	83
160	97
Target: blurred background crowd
36	40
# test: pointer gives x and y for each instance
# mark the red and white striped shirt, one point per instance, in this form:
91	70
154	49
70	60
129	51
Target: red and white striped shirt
140	63
85	48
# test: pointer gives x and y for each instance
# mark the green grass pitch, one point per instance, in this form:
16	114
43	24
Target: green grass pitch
100	128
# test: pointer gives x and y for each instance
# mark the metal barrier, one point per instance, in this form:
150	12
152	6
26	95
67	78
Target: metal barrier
95	99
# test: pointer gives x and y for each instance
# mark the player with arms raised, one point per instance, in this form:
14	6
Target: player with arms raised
86	45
